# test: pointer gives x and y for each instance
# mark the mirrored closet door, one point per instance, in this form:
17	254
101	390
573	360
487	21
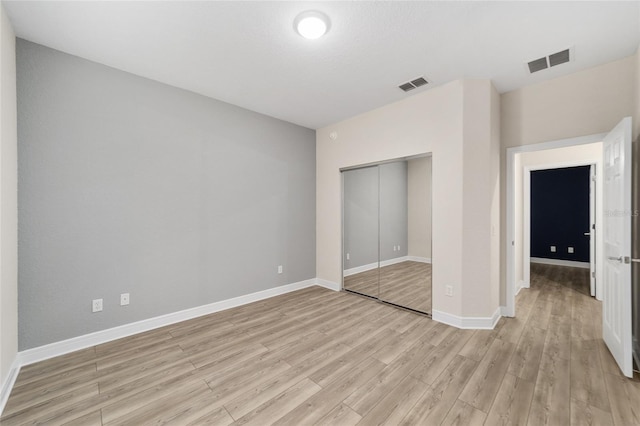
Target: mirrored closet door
360	229
387	232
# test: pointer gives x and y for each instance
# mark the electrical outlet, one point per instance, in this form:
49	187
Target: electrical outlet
96	305
569	249
449	291
348	256
279	269
553	249
124	299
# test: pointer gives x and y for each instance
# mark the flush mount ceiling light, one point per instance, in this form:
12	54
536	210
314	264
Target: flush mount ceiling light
311	24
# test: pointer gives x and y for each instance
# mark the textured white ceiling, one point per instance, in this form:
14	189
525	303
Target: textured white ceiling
248	54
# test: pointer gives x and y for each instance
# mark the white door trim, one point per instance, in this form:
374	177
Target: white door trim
526	227
593	237
509	309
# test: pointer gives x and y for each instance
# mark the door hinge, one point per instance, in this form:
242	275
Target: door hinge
593	274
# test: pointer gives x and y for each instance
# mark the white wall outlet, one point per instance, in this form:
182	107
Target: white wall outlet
96	305
553	249
124	299
348	255
279	269
398	247
569	249
449	291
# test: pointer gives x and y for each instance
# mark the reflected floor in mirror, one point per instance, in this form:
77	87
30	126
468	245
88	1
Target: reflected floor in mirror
364	282
406	284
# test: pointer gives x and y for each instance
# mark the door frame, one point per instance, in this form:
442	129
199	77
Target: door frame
509	309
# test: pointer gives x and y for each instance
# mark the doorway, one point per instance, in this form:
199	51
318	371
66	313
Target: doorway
520	161
559	221
613	247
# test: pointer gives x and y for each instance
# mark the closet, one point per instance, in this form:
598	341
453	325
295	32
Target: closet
387	232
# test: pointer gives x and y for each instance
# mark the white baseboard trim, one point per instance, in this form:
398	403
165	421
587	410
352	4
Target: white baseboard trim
7	386
51	350
405	259
419	259
476	323
383	263
393	261
560	262
358	269
521	284
328	284
504	311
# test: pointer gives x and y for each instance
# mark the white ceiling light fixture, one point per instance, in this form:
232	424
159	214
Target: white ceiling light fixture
311	24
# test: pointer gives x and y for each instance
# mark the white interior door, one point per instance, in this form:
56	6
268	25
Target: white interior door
592	229
616	304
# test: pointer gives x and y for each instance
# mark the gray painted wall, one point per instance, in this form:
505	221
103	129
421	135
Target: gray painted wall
360	216
8	203
375	213
393	210
129	185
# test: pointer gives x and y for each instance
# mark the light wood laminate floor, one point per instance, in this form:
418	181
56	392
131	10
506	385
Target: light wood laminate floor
319	357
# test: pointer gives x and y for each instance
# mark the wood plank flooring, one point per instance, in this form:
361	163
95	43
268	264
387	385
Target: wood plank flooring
319	357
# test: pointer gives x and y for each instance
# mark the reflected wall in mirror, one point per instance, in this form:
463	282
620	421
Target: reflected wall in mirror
387	232
360	218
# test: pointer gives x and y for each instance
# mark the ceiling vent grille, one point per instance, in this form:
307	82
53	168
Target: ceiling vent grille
550	61
413	84
538	65
559	58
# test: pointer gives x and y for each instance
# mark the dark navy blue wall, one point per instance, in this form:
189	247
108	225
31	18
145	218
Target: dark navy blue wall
560	213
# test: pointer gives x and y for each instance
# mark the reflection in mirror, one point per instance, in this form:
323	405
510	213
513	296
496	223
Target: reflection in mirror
360	228
387	232
405	233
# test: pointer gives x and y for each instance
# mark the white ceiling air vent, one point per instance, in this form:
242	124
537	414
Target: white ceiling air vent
413	84
550	61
